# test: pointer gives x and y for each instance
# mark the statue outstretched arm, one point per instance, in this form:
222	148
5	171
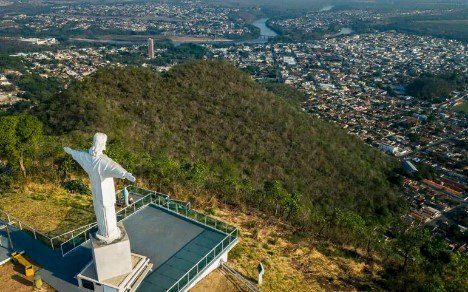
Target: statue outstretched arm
69	150
113	169
77	156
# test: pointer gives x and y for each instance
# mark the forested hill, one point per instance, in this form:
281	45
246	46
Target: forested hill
209	124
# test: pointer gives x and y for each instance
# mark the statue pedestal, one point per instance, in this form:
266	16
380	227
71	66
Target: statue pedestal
114	268
112	259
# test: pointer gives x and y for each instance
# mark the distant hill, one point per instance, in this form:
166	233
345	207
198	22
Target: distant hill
209	124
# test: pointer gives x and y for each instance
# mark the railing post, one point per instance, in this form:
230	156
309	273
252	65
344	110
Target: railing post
34	232
205	219
51	243
20	226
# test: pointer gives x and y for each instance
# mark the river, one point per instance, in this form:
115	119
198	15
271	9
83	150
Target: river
264	29
265	32
344	31
327	8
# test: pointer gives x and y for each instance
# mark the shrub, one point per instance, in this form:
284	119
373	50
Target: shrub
6	181
76	186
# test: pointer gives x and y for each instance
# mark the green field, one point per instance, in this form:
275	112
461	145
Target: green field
463	107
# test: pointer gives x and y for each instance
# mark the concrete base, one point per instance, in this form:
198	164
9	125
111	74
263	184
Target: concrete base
141	266
112	259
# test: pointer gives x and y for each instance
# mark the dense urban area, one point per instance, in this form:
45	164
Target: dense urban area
400	89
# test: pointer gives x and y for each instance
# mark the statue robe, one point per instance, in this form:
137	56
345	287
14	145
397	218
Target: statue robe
102	170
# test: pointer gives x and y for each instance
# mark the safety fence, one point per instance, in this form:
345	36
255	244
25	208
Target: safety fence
188	278
75	237
15	223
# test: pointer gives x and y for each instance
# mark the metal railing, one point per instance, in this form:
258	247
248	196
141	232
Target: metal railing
18	224
60	239
205	262
73	238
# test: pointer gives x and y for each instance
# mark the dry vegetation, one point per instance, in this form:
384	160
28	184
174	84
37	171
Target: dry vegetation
292	262
215	282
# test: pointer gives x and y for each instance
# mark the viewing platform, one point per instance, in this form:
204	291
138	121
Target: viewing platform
182	244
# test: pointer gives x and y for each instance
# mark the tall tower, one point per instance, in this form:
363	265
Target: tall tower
150	48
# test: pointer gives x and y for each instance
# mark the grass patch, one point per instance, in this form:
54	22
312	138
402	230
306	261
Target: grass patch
48	208
462	107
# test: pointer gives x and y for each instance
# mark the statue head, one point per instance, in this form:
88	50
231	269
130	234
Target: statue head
99	144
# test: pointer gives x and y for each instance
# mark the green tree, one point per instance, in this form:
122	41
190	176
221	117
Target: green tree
168	171
293	205
407	245
19	137
275	194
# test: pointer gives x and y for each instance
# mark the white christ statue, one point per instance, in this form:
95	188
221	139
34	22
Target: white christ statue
102	170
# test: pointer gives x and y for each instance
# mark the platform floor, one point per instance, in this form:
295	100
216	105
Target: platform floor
174	244
4	247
